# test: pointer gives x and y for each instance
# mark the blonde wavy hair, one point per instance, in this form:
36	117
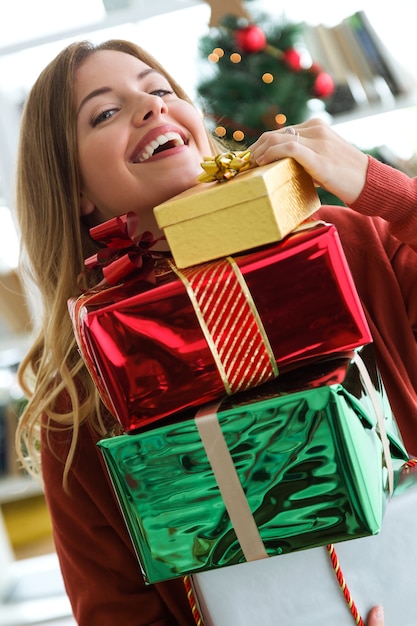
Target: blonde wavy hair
55	242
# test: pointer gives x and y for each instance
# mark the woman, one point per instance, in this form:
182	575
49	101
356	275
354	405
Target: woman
105	130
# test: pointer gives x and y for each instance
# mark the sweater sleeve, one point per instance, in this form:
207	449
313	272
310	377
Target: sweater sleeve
99	566
392	195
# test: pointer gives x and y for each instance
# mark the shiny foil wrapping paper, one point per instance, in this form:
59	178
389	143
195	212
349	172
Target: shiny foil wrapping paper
306	461
151	355
257	207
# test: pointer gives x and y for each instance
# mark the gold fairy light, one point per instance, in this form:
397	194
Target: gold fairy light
267	78
219	52
235	57
213	58
238	135
220	131
280	119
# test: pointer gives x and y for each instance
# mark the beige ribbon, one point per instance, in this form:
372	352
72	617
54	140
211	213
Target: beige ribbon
380	420
231	489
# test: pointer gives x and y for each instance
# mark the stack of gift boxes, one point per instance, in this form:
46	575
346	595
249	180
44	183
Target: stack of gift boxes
255	420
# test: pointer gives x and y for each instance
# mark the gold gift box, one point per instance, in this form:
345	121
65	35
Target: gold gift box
257	207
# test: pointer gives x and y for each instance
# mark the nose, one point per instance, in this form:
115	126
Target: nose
150	106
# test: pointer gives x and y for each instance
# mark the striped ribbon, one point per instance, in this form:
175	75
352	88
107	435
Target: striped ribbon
192	601
409	466
231	323
342	582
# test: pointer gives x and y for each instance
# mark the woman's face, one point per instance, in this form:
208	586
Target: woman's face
138	143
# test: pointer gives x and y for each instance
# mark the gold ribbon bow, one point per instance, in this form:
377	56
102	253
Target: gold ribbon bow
224	166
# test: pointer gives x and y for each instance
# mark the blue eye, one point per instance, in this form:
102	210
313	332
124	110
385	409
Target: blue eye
161	92
103	116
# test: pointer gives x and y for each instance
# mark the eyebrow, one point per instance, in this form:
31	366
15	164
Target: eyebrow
101	90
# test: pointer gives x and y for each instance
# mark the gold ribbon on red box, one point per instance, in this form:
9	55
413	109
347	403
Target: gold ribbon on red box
231	324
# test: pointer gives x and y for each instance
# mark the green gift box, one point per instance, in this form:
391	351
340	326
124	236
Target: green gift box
308	459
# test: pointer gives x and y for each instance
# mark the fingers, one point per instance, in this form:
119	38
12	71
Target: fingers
274	145
376	617
290	130
312	130
331	161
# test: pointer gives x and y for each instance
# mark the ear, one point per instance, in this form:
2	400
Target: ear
86	206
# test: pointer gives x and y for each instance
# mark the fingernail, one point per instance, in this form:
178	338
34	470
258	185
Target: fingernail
379	613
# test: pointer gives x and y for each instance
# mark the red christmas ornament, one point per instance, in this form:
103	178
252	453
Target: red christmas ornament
315	68
292	59
250	38
323	85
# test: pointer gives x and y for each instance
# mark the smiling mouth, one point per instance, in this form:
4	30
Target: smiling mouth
161	143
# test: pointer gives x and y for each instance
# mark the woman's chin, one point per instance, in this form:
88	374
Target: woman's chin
179	185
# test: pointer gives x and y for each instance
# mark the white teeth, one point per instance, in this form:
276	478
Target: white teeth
159	141
172	136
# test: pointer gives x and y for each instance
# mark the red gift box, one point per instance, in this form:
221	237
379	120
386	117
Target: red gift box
220	327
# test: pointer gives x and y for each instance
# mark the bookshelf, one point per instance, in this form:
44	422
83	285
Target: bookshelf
367	75
367	50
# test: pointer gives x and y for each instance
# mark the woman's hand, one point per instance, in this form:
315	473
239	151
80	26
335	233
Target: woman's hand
332	162
376	617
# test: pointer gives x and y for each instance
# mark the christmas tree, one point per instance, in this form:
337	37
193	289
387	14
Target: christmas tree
258	79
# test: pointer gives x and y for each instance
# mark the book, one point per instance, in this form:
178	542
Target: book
314	45
359	63
380	59
339	63
321	47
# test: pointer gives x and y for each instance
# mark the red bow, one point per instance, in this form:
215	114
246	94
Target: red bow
124	253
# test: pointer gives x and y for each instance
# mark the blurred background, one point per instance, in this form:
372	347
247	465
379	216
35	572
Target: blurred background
31	33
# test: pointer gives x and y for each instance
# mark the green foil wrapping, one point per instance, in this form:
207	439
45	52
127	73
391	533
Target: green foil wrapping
306	450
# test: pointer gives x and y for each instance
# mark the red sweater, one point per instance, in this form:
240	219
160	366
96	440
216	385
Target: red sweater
99	565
